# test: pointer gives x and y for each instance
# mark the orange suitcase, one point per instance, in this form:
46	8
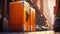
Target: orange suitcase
18	16
32	20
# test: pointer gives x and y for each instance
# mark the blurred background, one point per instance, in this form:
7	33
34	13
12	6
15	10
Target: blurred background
47	14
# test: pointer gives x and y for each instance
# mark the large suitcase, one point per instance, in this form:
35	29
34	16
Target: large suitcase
18	16
31	20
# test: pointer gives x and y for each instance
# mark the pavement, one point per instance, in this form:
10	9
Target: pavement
42	32
39	32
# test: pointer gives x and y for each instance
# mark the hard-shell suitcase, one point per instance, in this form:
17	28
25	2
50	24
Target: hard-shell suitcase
31	20
18	16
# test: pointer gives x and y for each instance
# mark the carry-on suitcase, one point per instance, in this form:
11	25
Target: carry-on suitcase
31	20
18	20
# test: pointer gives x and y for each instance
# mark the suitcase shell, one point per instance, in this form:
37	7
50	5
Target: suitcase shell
17	19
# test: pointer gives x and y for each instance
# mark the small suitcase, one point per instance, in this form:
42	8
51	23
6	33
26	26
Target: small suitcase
18	16
31	20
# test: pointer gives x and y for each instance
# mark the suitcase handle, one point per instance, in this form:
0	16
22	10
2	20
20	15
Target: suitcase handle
15	0
18	0
12	0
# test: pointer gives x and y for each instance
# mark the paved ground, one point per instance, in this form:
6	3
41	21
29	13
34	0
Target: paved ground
40	32
44	32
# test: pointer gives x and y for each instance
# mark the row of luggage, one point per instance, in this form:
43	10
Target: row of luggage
21	17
